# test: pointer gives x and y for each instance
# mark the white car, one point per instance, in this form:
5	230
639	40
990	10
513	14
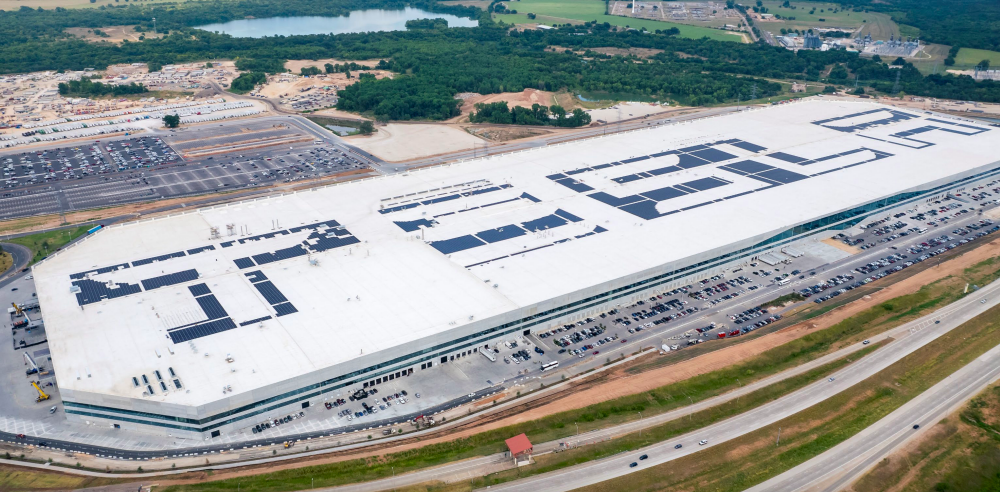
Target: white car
703	442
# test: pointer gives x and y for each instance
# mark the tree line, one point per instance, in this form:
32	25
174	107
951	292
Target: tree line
87	87
555	115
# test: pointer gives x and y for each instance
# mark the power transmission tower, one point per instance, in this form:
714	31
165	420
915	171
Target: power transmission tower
753	92
895	87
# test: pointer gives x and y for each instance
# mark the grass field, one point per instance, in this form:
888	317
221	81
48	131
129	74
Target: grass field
6	260
960	453
968	58
755	458
577	11
15	479
67	4
879	25
43	243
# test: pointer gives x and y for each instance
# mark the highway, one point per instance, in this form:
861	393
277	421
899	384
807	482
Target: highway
839	467
909	337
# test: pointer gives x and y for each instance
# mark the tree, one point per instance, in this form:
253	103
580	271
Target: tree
829	89
859	91
366	128
984	65
209	65
328	67
171	120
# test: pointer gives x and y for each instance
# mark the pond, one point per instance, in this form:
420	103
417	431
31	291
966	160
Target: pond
357	21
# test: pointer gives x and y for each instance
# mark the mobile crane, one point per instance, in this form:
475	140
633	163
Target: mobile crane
32	367
41	394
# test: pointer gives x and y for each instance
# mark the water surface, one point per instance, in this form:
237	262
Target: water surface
357	21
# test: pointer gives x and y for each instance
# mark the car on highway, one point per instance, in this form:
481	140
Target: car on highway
703	442
866	342
678	446
643	457
916	426
633	464
831	379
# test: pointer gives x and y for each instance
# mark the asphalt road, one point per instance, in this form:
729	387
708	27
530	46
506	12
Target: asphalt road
21	256
207	449
839	467
917	334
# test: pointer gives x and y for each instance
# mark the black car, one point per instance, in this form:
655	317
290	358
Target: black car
633	464
678	446
643	457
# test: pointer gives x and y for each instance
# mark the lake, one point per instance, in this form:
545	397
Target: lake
357	21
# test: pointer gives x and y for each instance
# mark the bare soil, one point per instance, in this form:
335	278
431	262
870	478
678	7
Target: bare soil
115	34
505	133
524	98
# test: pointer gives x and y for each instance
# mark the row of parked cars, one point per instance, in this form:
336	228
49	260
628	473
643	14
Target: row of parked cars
720	288
582	351
276	422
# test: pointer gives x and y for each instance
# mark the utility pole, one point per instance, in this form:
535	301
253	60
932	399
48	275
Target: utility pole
753	93
895	87
778	442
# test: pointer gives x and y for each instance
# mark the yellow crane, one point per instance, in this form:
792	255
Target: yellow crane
17	309
41	394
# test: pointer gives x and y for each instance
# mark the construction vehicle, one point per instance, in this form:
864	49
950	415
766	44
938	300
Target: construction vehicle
32	367
41	394
288	444
20	311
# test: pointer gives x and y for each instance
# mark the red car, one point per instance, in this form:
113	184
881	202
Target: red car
597	352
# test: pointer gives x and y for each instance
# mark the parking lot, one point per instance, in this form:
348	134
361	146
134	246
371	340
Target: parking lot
194	160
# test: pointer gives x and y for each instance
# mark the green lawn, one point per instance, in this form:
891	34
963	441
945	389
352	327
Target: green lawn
879	24
968	58
575	11
43	243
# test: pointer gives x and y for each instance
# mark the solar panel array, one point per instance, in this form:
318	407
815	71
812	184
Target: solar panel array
597	230
92	291
438	199
169	279
557	219
895	115
271	294
217	319
325	236
98	271
147	261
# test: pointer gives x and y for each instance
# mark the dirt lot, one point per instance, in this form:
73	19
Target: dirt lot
524	98
397	142
297	65
114	34
505	133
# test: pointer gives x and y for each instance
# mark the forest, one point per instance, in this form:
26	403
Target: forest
435	64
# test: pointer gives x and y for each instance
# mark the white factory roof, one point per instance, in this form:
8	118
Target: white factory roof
497	234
